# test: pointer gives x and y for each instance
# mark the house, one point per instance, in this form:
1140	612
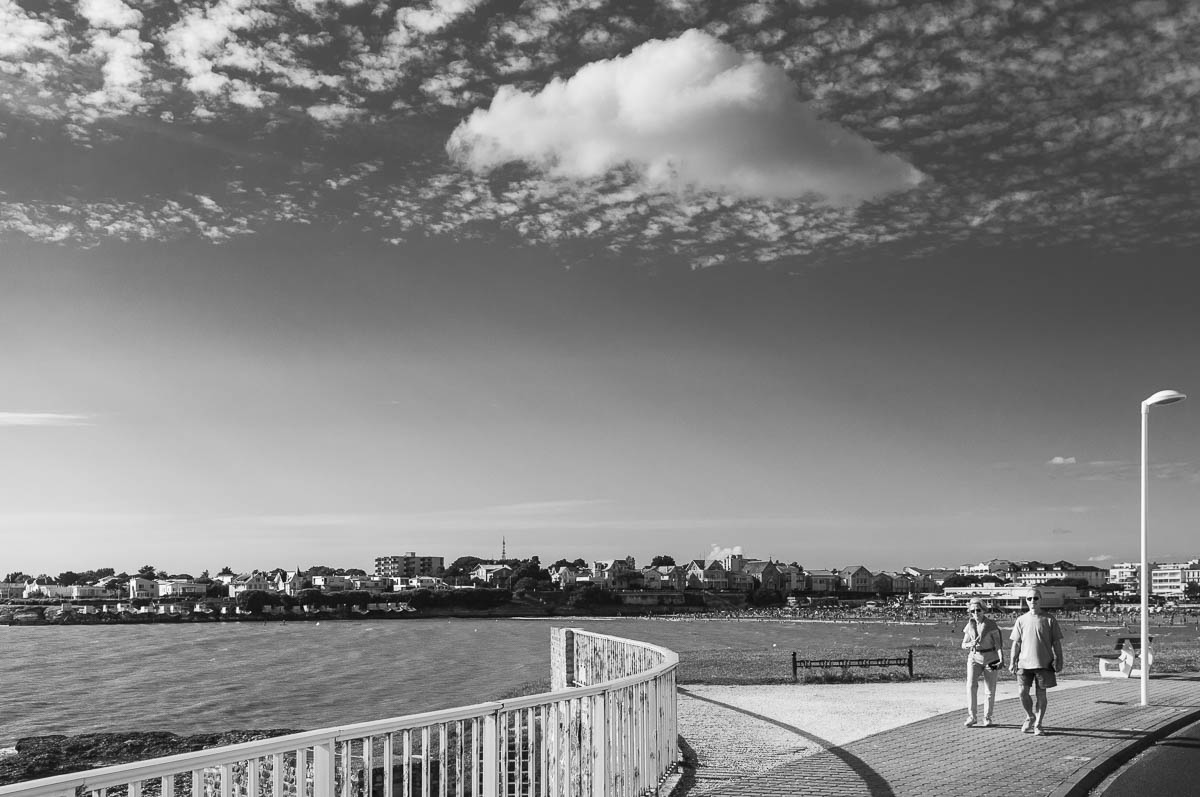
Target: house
857	579
492	573
332	583
289	582
766	574
142	588
427	582
562	576
928	579
44	587
673	577
181	588
615	573
792	578
824	580
1029	574
652	578
12	589
91	591
246	582
371	583
706	575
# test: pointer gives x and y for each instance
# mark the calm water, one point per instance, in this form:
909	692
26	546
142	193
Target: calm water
216	676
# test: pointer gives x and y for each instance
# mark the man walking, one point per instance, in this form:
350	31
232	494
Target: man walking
1035	658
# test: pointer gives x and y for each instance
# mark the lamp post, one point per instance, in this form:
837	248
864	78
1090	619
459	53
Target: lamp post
1161	397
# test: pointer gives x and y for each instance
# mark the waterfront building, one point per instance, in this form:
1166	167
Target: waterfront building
857	579
926	579
45	587
181	588
562	576
765	574
1170	579
673	577
1000	568
1031	574
332	583
91	591
142	588
246	582
409	565
792	578
1006	598
823	581
706	575
1126	574
289	582
491	573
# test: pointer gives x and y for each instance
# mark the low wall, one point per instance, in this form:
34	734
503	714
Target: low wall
609	728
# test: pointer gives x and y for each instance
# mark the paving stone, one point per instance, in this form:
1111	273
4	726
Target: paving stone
751	756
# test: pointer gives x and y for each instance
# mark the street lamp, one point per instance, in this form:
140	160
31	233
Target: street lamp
1161	397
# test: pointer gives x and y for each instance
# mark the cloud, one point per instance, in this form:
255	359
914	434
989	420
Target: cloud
112	14
1059	532
1101	557
42	419
686	112
1061	461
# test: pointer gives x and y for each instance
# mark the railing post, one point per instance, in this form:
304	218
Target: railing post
491	756
323	769
600	748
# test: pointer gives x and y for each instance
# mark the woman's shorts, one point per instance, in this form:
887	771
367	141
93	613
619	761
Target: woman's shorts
1043	678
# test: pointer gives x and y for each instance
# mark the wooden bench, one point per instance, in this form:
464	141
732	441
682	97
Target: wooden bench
1126	662
824	664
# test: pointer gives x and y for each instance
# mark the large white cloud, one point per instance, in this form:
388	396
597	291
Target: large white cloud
690	111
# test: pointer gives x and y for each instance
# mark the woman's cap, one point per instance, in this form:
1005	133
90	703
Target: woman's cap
975	602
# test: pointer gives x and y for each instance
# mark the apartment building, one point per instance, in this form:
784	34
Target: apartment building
409	565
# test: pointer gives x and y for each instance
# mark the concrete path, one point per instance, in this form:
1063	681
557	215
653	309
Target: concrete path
1093	728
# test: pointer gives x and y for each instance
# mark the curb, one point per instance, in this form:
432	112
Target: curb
1091	774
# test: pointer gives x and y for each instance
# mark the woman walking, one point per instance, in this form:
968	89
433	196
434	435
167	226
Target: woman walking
982	641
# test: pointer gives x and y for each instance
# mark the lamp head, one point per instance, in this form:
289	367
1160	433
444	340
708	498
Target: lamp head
1164	397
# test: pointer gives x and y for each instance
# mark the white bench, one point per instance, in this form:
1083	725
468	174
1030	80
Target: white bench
1127	662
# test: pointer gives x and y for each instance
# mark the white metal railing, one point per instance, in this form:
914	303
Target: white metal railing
609	728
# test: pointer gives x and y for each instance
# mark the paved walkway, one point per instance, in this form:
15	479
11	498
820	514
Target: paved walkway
1092	729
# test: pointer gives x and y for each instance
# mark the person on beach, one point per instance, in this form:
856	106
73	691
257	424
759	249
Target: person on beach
1035	658
982	641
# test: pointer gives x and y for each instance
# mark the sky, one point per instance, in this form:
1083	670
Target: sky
299	282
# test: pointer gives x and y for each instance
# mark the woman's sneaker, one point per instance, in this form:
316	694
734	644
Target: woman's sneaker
1027	726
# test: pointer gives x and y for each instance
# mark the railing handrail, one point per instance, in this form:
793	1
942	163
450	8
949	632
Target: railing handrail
165	766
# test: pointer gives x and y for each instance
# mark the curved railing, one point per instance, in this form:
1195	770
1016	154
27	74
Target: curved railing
608	728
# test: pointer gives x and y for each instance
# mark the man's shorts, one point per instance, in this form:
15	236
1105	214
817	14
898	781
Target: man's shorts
1043	678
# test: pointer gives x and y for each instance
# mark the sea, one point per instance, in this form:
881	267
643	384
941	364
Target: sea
205	677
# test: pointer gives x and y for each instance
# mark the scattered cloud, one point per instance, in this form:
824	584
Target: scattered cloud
1061	461
748	133
1101	557
1060	532
689	112
42	419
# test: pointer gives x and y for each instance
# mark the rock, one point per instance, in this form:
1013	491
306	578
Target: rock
46	756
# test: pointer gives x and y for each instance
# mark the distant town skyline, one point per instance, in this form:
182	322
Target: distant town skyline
714	553
313	282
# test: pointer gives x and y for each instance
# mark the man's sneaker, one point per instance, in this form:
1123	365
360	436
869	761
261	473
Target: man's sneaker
1027	726
1039	731
970	723
987	723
